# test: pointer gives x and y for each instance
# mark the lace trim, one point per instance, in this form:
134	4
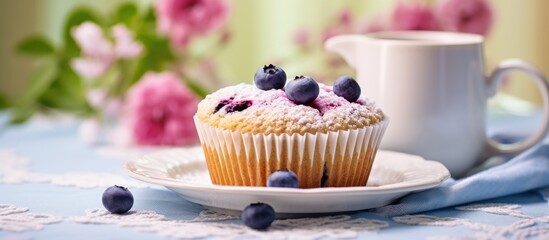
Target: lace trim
495	208
17	219
207	225
15	169
527	227
429	220
212	224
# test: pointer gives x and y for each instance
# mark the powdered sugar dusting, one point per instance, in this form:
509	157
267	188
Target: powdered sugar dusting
272	112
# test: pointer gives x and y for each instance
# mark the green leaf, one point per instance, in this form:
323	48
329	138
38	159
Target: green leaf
25	106
4	102
148	24
75	18
58	98
40	82
36	46
126	13
22	114
150	15
66	93
197	89
158	53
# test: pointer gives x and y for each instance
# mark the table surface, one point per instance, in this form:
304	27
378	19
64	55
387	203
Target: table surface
51	184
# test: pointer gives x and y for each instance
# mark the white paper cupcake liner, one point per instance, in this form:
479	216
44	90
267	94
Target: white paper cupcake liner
333	159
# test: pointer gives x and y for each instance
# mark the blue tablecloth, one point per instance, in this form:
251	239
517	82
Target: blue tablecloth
41	198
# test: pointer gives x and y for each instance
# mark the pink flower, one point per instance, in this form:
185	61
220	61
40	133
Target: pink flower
125	45
180	19
375	24
100	100
90	67
330	32
470	16
97	51
302	37
161	110
413	17
89	131
345	17
92	41
225	37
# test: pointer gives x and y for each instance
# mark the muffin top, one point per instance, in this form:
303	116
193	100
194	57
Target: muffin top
245	108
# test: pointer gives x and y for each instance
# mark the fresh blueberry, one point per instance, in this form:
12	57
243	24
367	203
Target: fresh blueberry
117	199
270	77
283	178
258	216
346	87
302	90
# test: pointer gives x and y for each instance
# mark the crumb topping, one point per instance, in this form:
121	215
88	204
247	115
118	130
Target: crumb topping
245	108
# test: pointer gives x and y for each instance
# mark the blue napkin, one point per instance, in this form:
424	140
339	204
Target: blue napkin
528	171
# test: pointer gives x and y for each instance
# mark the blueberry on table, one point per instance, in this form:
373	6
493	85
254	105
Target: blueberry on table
283	178
346	87
117	199
270	77
258	216
302	90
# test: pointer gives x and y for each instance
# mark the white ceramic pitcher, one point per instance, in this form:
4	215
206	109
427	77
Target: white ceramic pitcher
433	88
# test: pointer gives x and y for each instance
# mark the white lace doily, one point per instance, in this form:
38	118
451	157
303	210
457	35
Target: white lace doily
211	224
16	219
15	169
527	227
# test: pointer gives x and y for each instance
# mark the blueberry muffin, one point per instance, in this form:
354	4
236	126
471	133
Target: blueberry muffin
327	135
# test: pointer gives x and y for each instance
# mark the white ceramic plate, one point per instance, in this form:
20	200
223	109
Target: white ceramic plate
184	171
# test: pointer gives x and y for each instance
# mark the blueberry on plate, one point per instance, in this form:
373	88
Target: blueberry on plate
270	77
117	199
258	216
302	90
346	87
283	178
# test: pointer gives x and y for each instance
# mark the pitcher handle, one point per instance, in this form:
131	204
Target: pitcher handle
346	46
495	148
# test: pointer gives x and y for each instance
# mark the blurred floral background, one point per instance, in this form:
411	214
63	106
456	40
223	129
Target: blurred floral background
136	69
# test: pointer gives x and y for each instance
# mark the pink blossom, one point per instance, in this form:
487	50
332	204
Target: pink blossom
161	110
302	37
375	24
125	45
90	67
345	17
97	51
180	19
120	136
89	131
92	41
330	32
470	16
225	37
413	16
100	100
96	97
